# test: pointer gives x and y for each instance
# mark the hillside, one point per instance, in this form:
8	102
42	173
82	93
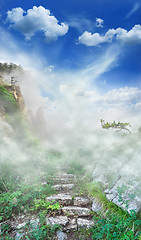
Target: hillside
50	194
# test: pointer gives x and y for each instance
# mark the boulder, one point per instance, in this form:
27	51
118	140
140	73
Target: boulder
96	206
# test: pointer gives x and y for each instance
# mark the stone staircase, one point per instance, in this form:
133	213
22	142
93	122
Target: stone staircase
74	214
75	211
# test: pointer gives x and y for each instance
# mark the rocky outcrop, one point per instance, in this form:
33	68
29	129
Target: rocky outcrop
125	194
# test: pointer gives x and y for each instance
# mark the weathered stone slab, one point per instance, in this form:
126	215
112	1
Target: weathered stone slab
21	225
63	187
79	201
64	178
84	223
65	175
61	235
125	194
64	199
67	187
96	206
60	220
71	226
57	187
76	211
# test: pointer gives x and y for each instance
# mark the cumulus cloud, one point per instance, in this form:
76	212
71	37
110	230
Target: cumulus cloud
99	22
37	19
132	36
120	97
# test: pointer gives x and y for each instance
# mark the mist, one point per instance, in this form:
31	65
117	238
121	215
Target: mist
72	106
63	109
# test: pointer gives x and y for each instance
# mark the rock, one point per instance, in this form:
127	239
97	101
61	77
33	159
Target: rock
76	211
66	175
63	199
84	223
0	228
64	178
79	201
44	183
63	187
61	235
125	194
96	206
134	205
67	187
71	226
19	235
35	223
60	220
21	225
57	187
111	196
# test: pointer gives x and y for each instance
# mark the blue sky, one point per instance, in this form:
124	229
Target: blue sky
96	42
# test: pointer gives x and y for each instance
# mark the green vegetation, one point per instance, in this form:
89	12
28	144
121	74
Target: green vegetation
8	68
119	126
26	195
26	168
116	227
24	199
7	100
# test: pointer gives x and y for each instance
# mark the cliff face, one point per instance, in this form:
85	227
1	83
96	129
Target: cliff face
11	100
16	92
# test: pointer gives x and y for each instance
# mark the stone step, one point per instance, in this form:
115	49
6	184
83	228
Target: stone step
81	202
64	199
84	223
78	211
71	226
65	175
60	220
63	187
64	178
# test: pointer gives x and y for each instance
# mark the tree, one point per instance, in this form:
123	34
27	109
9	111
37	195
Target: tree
119	126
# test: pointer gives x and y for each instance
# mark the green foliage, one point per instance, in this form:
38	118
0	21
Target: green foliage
43	232
42	204
116	227
8	95
7	100
22	200
8	68
36	231
76	168
119	126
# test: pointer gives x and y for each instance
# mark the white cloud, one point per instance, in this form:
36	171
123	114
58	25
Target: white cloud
80	23
133	10
99	22
35	20
120	97
128	37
